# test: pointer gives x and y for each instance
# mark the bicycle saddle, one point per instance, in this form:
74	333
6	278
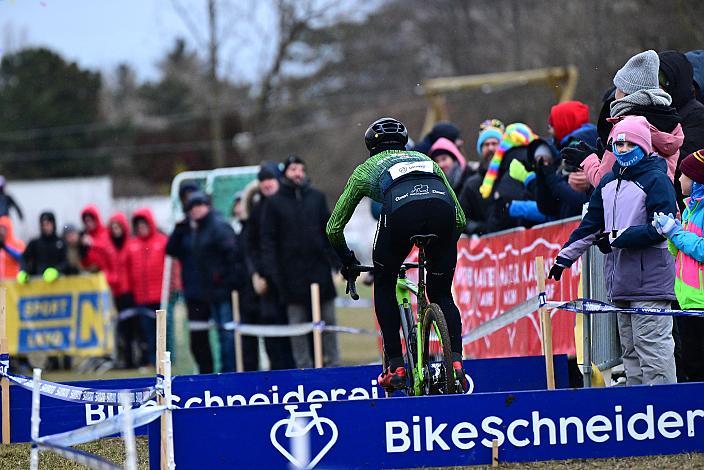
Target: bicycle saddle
423	240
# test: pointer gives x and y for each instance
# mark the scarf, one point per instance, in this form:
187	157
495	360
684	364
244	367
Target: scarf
629	158
516	135
646	97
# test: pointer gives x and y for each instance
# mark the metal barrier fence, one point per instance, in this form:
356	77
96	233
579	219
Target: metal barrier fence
601	331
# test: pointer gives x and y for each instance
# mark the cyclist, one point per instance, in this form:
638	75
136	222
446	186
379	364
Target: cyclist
416	199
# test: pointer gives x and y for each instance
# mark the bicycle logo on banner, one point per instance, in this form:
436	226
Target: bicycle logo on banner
298	427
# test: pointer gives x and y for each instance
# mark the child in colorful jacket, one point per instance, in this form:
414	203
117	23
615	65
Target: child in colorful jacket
639	271
687	244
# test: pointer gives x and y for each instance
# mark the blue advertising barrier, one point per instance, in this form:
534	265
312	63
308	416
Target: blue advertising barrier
260	388
442	431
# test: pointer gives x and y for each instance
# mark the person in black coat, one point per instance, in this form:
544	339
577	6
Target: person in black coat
221	264
272	308
180	247
46	252
676	78
296	253
553	194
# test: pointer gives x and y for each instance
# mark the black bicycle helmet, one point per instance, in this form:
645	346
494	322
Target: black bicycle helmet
385	131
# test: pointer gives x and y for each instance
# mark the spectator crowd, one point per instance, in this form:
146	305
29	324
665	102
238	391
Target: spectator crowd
634	165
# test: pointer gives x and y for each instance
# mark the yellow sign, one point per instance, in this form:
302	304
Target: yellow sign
72	315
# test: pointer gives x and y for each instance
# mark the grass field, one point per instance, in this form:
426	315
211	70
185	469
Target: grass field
16	456
353	350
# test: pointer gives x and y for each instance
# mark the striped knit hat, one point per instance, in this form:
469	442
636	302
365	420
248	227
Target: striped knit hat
693	166
516	135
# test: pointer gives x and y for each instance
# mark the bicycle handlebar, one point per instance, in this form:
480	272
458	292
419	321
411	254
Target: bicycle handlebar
354	272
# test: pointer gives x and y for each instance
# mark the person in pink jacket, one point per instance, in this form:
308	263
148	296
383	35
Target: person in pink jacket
638	93
451	161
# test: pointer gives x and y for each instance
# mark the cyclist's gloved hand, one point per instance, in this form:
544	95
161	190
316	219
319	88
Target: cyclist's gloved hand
348	261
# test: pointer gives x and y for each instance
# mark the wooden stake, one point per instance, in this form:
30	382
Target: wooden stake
545	325
495	453
317	332
160	350
4	382
239	360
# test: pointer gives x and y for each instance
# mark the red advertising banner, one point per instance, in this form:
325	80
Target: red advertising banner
496	273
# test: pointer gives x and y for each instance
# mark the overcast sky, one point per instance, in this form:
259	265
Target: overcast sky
100	34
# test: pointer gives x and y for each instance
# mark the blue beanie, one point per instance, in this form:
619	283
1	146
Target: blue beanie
696	58
488	133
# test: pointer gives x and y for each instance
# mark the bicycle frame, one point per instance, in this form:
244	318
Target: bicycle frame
409	324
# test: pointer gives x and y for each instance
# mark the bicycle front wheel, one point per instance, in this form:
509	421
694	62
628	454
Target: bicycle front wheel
438	375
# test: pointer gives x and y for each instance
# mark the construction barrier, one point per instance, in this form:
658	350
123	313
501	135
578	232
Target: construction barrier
72	315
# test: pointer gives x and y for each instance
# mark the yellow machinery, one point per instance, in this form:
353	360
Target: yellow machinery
563	81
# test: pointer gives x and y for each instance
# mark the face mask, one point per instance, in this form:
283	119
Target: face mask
629	158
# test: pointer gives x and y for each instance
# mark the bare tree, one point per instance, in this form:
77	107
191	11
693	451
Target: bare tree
213	45
294	18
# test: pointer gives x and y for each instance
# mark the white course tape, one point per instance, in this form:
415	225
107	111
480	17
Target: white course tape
271	331
80	457
505	319
293	330
108	427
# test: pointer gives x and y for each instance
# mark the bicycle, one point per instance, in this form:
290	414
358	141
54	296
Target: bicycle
428	354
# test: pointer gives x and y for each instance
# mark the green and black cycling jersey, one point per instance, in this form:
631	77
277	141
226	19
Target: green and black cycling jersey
372	178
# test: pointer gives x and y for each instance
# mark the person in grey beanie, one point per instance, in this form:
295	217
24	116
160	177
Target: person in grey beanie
638	93
637	84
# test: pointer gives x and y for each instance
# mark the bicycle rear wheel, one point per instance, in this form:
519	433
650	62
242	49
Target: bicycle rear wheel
438	373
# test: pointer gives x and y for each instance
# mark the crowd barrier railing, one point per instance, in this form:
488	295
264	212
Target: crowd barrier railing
601	343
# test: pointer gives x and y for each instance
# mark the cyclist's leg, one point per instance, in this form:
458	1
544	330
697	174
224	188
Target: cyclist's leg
388	254
441	257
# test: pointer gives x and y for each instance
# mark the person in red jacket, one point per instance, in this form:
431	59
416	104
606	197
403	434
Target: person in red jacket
95	241
145	271
128	323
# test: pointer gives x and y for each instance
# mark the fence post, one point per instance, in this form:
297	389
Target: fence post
587	321
128	433
239	361
35	419
317	332
171	465
545	324
495	453
4	382
160	350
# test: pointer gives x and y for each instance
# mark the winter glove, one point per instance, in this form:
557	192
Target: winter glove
50	275
349	260
575	155
518	171
22	277
600	148
666	225
556	271
259	284
602	242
